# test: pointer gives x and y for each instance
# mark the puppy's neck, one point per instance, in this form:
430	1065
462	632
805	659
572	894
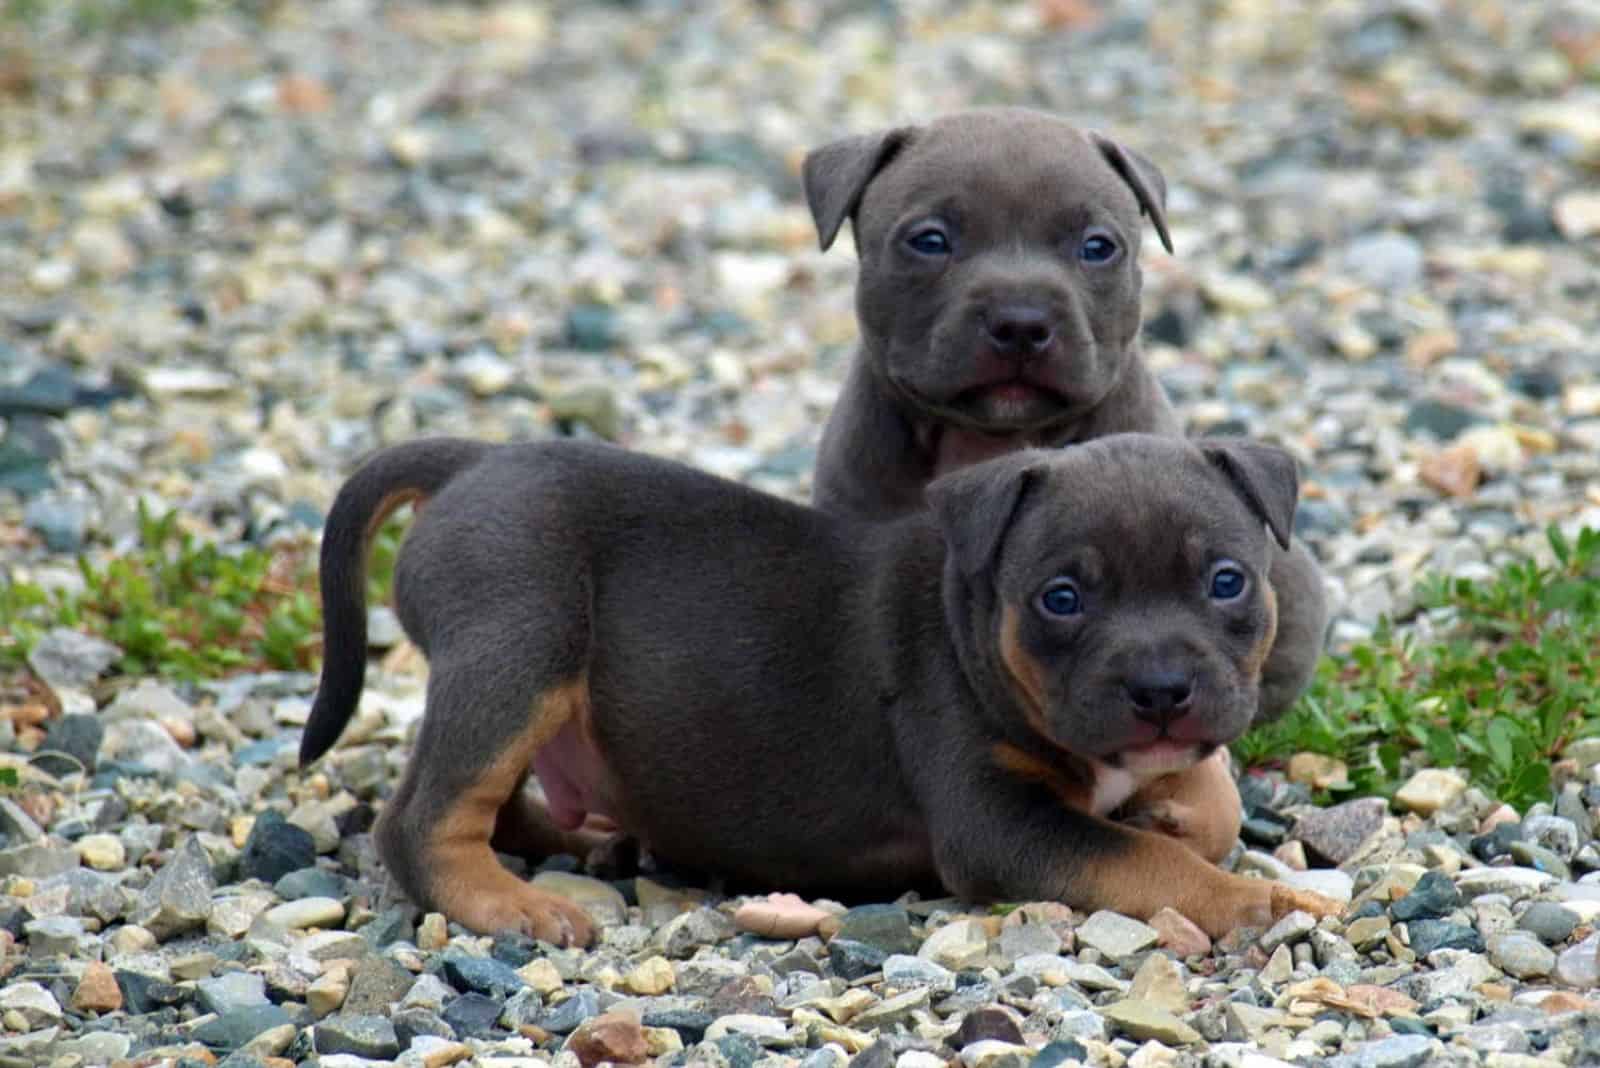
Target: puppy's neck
951	448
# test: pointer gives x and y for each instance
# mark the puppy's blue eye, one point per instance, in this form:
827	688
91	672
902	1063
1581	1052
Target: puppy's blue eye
1227	584
1097	248
930	242
1061	598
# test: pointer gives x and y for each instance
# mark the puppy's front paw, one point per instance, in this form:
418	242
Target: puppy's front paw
1245	902
1206	831
527	911
1164	817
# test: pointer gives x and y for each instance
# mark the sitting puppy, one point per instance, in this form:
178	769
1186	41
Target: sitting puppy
998	300
999	304
799	700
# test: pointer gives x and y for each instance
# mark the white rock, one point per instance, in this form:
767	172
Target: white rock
762	1028
306	912
1329	882
33	1002
1513	882
1429	790
1577	214
165	382
955	944
1116	935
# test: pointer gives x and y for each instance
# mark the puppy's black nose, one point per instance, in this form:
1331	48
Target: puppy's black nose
1020	330
1159	697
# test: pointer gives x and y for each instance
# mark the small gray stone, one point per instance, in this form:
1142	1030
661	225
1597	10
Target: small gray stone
1579	965
1397	1051
902	970
1079	1023
372	1037
680	936
1143	1021
275	849
427	992
179	897
234	990
1385	261
1555	833
1549	922
38	860
1115	935
1336	833
68	660
146	743
885	927
60	521
1540	859
1292	928
1521	954
892	1010
96	1047
60	936
483	975
73	744
1027	940
17	825
377	983
1430	935
309	882
565	1017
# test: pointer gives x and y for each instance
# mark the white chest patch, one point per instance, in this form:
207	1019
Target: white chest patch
1112	786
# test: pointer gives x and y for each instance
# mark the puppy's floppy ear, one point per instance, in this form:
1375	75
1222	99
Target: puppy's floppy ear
1143	177
976	505
1264	475
835	175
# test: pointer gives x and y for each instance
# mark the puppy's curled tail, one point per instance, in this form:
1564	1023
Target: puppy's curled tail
394	477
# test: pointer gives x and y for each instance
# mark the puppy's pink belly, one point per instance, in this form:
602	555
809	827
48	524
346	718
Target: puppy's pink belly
573	777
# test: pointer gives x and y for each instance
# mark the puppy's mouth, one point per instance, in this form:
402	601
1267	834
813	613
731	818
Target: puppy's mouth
1160	757
1010	406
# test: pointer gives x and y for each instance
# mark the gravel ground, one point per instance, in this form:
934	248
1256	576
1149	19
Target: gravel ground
238	254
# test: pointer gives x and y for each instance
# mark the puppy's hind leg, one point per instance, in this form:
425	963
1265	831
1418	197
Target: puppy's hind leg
485	719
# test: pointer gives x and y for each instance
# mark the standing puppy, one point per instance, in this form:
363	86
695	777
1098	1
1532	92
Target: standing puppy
998	301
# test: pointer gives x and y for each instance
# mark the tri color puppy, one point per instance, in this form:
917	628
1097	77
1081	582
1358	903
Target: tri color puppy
998	301
797	700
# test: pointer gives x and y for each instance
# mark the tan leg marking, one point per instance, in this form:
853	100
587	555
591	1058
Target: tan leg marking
1157	872
1198	806
466	882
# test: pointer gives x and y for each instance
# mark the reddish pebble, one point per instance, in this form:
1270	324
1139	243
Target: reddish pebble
1179	934
783	916
613	1036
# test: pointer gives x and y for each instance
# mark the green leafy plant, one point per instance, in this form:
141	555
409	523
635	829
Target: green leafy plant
185	607
1514	677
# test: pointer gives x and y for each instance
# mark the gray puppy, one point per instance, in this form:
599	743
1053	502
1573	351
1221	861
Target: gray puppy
998	300
818	703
